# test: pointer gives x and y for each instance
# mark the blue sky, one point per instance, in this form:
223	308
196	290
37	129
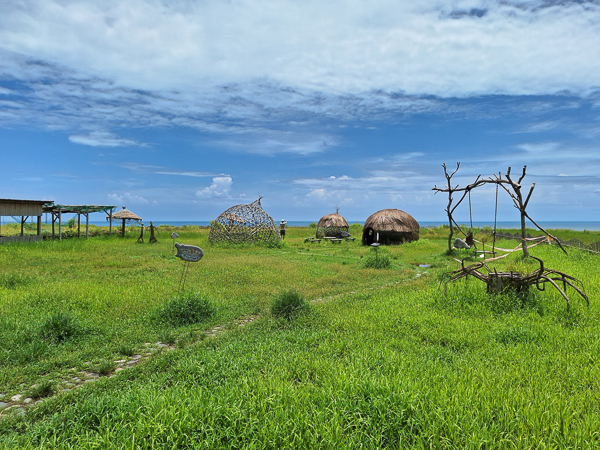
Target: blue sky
180	109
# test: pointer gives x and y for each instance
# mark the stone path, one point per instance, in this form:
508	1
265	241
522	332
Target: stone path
17	404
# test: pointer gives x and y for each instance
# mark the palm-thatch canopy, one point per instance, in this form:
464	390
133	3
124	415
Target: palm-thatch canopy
390	226
244	223
125	216
332	225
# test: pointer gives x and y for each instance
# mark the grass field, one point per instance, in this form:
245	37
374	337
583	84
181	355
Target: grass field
94	336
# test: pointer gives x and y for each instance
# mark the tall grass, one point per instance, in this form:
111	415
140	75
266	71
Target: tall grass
387	361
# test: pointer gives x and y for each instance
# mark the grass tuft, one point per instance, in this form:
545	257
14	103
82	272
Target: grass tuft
59	327
288	304
14	280
184	309
377	259
43	389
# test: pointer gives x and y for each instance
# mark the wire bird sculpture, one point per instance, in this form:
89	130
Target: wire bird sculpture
243	224
499	281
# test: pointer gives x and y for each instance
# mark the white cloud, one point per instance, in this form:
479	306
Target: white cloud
128	198
5	91
219	188
317	193
427	47
103	139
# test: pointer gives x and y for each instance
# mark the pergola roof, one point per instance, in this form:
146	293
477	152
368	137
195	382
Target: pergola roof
76	209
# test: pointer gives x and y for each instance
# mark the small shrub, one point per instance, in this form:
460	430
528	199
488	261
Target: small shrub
288	304
59	327
184	309
313	225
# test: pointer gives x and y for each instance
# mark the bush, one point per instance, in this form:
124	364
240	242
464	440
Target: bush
184	309
313	225
60	327
288	304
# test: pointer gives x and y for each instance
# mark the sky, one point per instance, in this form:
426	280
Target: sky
180	109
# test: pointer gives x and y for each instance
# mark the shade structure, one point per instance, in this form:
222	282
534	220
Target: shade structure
244	224
332	225
125	216
390	226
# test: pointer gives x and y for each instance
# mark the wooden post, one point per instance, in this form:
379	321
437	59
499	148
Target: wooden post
59	226
123	230
22	221
87	225
78	224
39	225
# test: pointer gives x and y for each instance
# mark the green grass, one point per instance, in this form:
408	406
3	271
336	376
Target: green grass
381	359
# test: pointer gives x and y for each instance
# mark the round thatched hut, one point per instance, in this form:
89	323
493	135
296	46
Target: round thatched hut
242	224
332	225
390	226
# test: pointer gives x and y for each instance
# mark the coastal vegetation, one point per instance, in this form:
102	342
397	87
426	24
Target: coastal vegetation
300	345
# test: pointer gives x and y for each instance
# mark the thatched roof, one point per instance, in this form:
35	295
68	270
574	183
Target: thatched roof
126	215
392	220
332	220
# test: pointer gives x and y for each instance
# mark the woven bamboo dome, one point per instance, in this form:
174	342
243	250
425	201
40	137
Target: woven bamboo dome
390	226
125	216
243	224
332	225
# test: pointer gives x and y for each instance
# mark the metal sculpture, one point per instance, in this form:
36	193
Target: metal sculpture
244	224
187	253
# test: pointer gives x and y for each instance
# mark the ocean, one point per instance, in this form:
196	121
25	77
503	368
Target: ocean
550	225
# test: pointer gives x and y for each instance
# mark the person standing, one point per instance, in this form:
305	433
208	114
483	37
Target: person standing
282	228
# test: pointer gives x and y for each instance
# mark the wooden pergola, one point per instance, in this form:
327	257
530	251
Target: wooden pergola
23	209
57	211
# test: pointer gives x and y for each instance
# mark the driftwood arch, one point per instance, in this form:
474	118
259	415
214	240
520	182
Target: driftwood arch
511	187
498	282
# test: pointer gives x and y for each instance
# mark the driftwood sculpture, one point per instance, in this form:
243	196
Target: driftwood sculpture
498	282
513	188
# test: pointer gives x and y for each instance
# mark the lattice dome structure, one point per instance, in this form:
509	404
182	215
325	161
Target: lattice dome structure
244	224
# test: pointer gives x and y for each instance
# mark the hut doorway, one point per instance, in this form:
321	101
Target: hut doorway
368	236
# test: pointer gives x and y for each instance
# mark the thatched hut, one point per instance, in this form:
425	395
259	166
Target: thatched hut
243	224
125	216
332	225
390	226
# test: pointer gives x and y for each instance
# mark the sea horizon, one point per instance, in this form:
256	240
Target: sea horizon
551	225
548	225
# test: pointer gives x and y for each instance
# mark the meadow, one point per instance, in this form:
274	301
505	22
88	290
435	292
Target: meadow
296	345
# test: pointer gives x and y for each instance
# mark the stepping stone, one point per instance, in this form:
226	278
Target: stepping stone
16	398
3	405
28	400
